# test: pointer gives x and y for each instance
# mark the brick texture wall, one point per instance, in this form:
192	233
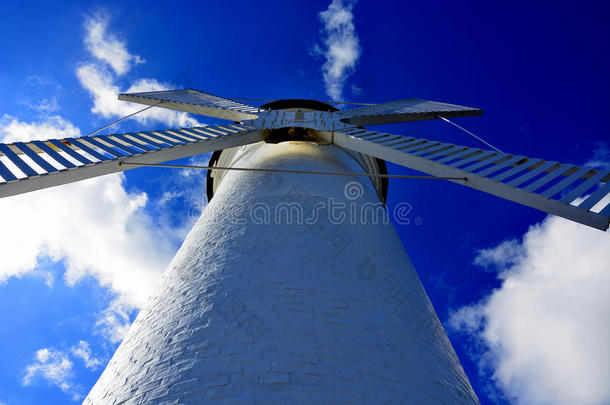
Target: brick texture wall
262	305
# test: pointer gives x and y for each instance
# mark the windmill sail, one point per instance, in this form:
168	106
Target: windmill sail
577	193
410	109
30	166
196	102
580	194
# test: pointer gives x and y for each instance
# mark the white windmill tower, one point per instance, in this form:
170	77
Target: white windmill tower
274	297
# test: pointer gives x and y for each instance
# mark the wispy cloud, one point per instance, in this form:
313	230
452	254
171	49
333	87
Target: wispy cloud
55	367
39	81
83	352
14	130
46	105
544	332
113	322
106	46
601	157
102	83
97	227
103	232
341	47
503	256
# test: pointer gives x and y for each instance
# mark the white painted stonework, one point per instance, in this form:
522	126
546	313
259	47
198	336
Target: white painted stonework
277	309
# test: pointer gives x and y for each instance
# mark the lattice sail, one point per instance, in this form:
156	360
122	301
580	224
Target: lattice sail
196	102
30	166
410	109
581	194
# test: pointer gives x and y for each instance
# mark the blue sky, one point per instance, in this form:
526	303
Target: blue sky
523	297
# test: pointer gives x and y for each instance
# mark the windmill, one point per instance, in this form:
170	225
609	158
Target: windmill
261	307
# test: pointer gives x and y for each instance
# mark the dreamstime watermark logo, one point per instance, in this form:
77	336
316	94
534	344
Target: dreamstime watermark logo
401	213
195	210
296	207
353	190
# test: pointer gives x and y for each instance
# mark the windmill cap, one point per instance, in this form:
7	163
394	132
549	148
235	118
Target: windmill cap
299	103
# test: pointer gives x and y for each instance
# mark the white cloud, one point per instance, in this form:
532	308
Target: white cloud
341	46
504	255
106	47
56	368
46	105
37	80
98	227
199	160
113	323
169	196
601	157
83	352
100	84
544	332
13	130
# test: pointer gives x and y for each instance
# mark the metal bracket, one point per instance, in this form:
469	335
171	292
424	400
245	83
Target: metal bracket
318	120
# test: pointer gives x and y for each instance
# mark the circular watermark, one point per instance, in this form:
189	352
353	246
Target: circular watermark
353	190
194	211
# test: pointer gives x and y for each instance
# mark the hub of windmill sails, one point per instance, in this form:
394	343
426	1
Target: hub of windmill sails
306	116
